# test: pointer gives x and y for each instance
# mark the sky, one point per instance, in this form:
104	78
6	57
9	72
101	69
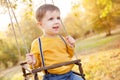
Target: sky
3	21
64	5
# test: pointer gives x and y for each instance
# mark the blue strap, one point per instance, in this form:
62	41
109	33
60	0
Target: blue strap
41	54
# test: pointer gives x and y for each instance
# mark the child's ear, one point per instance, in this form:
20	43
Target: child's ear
39	23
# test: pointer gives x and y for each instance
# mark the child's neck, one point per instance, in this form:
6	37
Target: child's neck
51	36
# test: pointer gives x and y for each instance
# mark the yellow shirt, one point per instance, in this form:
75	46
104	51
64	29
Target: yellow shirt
54	51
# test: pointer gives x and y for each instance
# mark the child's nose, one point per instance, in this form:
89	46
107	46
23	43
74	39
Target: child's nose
57	21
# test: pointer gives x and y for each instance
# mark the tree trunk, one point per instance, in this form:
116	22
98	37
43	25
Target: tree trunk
108	33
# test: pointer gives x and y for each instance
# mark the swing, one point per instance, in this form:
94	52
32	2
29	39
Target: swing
45	68
27	72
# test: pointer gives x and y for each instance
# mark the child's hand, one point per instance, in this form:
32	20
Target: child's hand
70	41
30	59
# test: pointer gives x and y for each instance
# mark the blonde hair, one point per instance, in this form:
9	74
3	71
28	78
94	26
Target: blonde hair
41	11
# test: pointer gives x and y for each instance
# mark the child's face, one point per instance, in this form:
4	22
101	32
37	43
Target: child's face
51	23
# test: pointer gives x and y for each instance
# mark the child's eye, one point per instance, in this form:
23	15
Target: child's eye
58	17
51	18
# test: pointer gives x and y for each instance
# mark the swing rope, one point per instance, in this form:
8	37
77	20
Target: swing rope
9	6
13	29
20	32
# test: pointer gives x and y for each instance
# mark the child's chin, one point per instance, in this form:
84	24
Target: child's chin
56	32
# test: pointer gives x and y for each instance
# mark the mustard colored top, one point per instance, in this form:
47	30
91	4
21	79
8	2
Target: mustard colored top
54	51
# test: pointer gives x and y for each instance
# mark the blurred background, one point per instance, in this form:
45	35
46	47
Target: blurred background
95	24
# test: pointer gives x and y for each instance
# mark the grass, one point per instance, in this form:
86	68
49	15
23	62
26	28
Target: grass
95	42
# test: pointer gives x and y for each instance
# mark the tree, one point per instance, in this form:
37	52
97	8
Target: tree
100	13
93	16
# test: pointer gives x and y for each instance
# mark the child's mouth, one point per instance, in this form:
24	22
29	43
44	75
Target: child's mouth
56	27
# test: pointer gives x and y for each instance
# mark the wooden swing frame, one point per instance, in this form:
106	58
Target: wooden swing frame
35	71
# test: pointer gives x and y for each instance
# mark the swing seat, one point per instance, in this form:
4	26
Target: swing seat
35	71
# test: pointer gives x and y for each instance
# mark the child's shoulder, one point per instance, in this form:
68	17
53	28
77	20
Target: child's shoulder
35	41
